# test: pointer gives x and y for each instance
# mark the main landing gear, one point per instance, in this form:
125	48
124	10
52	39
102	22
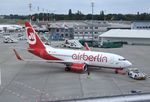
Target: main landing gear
67	68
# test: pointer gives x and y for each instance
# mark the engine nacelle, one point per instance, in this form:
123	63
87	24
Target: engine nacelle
78	67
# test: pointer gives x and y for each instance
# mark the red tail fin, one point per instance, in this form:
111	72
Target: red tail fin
33	38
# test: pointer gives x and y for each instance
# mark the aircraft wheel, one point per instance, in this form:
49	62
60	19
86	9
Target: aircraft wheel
67	69
116	71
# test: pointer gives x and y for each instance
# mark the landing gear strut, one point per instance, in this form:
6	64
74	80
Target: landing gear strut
85	68
119	71
116	71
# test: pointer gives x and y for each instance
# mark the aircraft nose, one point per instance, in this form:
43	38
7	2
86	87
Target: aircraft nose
129	64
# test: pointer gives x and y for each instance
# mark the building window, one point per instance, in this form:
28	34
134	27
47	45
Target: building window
80	27
91	27
86	32
66	34
75	27
96	27
66	30
81	32
86	27
147	27
76	32
62	35
57	30
62	30
96	32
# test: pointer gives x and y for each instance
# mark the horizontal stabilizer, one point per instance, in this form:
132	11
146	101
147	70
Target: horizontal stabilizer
20	48
31	60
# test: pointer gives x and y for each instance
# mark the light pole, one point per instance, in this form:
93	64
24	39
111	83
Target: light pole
54	15
30	8
43	14
38	9
92	4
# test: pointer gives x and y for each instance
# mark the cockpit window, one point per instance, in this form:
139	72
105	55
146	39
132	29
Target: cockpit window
122	59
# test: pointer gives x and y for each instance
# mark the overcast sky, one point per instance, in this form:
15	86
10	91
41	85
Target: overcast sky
62	6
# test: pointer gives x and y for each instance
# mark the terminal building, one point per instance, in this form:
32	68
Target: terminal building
77	29
83	29
140	37
140	25
61	30
89	29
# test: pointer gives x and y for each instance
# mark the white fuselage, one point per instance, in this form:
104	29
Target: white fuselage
90	58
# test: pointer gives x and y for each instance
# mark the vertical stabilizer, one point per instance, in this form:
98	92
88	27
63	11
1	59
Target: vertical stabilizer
33	38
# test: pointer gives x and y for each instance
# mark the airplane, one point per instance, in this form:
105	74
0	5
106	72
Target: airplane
75	60
10	27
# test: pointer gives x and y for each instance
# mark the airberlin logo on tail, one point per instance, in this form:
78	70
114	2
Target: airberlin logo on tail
31	36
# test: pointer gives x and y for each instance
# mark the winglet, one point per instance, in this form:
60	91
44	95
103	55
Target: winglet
17	55
87	47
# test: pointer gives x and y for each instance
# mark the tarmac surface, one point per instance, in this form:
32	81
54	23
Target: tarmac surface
40	81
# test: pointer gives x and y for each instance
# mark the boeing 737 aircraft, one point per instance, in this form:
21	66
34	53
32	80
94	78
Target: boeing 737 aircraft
78	60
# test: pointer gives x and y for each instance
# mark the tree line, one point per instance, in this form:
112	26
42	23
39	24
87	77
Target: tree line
80	16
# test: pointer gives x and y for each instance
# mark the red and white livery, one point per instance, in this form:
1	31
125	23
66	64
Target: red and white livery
78	60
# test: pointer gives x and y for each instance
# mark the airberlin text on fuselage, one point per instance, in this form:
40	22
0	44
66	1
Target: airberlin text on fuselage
85	57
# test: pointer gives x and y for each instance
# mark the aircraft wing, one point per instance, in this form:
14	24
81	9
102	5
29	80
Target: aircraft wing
30	60
20	48
48	61
74	66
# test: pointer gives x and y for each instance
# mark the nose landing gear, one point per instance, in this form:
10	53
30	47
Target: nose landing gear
119	71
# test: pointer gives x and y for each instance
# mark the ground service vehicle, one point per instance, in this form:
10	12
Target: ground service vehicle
136	74
8	39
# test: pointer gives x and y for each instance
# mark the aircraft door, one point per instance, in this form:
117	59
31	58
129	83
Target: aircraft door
112	60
